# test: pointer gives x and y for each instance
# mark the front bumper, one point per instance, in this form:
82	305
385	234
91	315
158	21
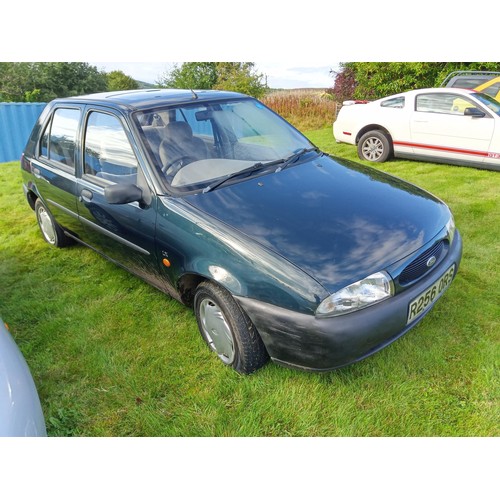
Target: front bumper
304	341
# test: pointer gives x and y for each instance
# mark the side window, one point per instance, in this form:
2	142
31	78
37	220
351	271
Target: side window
107	153
395	102
44	143
450	104
467	82
58	140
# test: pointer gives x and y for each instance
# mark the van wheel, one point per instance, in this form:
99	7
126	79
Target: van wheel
375	146
227	329
51	231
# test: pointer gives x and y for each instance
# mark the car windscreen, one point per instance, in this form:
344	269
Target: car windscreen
491	103
195	144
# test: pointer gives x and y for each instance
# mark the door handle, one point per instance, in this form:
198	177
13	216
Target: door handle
86	195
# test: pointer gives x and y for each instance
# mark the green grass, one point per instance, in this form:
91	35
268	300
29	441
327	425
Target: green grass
111	356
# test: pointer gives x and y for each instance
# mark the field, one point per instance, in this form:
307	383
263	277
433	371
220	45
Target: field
112	356
306	109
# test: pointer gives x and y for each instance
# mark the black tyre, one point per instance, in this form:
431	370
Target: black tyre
227	329
51	231
375	146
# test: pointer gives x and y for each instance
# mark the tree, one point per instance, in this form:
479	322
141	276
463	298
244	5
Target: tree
344	85
63	79
374	80
15	81
190	75
235	76
118	80
44	81
240	77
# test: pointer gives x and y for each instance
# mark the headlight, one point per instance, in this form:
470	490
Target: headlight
450	229
363	293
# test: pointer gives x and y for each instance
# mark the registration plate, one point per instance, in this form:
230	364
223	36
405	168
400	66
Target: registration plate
427	298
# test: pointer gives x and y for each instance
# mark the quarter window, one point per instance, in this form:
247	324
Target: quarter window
108	153
395	102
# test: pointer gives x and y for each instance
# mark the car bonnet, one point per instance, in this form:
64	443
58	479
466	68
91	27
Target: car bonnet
336	220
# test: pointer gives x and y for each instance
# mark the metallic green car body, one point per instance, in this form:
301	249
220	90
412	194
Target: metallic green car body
280	240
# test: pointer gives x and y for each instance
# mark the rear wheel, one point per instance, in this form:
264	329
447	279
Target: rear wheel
51	230
375	146
227	329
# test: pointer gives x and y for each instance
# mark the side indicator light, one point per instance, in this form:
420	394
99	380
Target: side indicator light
166	262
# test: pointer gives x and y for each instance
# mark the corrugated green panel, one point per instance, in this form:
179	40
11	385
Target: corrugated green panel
16	121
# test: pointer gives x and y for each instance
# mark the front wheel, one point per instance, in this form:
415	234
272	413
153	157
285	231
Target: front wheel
227	329
375	146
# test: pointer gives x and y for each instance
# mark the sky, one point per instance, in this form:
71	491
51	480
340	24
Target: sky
279	74
294	47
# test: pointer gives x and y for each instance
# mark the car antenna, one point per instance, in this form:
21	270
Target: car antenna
195	95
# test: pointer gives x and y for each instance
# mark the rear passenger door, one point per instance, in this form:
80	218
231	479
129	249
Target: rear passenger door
54	165
123	232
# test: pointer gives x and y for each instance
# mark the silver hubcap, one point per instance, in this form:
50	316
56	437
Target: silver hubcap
46	225
372	149
216	330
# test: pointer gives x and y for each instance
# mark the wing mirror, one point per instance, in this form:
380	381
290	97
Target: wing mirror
474	112
120	194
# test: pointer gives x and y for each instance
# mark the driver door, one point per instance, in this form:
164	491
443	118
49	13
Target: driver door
125	233
440	128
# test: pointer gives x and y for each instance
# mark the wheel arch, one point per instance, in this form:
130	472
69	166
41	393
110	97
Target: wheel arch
371	127
188	282
31	197
186	287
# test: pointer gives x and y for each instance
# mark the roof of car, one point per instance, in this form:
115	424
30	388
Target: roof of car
445	90
148	98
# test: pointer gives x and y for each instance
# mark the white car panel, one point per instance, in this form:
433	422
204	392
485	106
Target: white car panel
434	127
20	410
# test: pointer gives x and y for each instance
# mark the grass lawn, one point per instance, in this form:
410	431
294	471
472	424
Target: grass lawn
112	356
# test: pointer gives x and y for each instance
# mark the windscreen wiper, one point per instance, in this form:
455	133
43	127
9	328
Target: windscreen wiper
292	159
260	166
246	171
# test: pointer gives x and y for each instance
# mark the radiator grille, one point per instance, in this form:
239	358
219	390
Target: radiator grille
419	266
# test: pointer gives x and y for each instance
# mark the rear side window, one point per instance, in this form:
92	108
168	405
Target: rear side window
468	82
58	140
108	153
395	102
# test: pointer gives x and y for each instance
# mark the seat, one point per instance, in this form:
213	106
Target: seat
180	146
153	138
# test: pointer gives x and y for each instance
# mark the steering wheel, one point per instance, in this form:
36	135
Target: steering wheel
173	166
